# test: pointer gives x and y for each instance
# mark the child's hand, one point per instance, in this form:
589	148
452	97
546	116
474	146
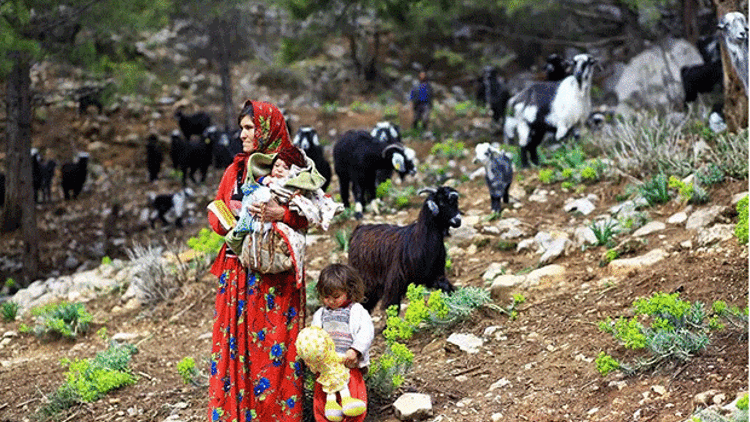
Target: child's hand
351	358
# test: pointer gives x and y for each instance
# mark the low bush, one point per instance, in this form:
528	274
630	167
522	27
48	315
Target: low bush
9	311
741	229
62	319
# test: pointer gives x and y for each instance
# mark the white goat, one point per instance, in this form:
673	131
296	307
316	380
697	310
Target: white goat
733	27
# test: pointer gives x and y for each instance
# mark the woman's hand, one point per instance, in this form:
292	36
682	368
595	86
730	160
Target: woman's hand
274	211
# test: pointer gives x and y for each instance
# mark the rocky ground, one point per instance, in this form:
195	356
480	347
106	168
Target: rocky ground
538	367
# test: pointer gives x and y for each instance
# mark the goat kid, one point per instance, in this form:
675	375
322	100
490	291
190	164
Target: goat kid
492	92
390	257
498	174
167	207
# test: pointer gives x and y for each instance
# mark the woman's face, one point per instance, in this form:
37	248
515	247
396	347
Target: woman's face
247	134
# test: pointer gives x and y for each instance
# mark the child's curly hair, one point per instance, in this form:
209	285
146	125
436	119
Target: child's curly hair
340	277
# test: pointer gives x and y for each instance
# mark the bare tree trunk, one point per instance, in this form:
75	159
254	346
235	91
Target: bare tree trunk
690	20
20	209
735	98
221	40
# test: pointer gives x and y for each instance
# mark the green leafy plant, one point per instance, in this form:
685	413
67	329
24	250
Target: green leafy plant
677	331
547	176
742	403
342	239
604	231
689	192
10	283
741	229
449	149
606	364
589	173
207	241
609	256
106	260
187	370
87	380
9	311
711	174
465	107
656	190
61	320
384	189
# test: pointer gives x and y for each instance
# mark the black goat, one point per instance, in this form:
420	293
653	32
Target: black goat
702	78
154	157
307	140
2	189
386	132
176	146
42	174
172	205
390	257
192	124
73	176
356	159
226	145
492	92
498	173
193	156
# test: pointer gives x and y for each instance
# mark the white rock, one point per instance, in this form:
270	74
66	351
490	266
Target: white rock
715	233
503	285
677	218
502	382
413	406
625	265
704	217
551	273
495	269
583	205
650	227
469	343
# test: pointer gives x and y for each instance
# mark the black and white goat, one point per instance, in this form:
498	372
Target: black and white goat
167	207
154	157
702	78
498	166
42	174
557	107
556	68
390	133
73	176
733	27
356	159
307	140
390	257
492	92
192	124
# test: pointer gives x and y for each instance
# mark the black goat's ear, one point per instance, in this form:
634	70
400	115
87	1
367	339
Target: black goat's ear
433	207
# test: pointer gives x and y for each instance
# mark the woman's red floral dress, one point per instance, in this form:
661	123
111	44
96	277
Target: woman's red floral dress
255	374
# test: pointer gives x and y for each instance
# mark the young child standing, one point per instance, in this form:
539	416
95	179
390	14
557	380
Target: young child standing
343	317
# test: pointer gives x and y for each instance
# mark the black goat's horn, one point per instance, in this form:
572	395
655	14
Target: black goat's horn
426	190
388	147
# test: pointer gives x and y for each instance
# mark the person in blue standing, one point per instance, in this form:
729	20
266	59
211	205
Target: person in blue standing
421	98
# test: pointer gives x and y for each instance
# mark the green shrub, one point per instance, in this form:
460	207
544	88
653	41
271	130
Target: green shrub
10	283
88	380
742	403
741	229
589	173
61	320
547	176
106	260
463	108
709	175
342	239
384	189
677	330
606	364
656	190
207	241
187	370
9	311
689	192
604	231
449	149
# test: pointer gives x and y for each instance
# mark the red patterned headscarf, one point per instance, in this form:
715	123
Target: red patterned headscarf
270	128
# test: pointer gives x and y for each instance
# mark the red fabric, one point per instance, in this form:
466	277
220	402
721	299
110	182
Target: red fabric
255	375
357	389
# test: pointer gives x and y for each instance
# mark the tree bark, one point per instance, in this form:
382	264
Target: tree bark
735	98
20	209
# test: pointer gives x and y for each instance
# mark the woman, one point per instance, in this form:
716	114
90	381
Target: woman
254	370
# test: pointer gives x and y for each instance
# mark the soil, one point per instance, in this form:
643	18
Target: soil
544	357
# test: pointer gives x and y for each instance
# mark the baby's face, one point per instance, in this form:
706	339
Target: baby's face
280	169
